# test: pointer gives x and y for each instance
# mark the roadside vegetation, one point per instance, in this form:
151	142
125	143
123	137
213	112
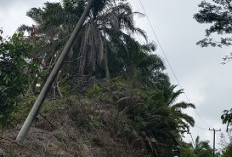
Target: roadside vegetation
111	97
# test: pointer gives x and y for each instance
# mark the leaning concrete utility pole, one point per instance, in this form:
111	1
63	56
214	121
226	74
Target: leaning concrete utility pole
40	99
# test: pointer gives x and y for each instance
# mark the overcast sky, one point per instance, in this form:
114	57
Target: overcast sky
206	82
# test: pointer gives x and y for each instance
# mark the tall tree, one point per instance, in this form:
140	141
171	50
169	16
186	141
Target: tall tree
105	36
216	13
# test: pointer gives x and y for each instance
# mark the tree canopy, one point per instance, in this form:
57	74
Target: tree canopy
217	14
106	63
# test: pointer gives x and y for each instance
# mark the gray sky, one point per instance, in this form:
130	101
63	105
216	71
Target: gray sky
206	82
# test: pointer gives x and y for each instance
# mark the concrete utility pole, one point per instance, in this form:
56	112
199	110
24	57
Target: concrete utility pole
40	99
214	134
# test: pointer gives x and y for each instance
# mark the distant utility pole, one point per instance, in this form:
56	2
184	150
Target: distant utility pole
214	134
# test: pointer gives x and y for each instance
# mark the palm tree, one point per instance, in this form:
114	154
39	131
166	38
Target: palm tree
160	120
105	36
183	120
166	120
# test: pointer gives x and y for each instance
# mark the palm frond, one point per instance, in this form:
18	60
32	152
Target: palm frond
183	105
188	119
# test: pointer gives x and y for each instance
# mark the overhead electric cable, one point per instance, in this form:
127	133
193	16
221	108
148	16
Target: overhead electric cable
161	47
201	118
206	129
166	58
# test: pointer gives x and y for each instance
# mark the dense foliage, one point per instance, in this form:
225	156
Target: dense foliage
155	120
106	63
15	68
228	151
198	149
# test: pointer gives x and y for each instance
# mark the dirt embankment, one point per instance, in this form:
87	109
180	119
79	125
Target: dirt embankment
71	128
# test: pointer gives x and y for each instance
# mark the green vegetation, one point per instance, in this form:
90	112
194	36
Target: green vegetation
111	93
200	149
228	151
16	68
216	13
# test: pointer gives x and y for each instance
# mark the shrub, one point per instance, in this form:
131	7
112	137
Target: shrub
14	80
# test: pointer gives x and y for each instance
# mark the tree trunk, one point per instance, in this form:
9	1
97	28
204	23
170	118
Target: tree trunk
40	99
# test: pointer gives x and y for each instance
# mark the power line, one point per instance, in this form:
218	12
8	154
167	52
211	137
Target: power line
161	47
201	127
201	118
166	58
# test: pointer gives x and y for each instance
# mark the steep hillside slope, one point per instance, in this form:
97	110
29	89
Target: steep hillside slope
73	126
